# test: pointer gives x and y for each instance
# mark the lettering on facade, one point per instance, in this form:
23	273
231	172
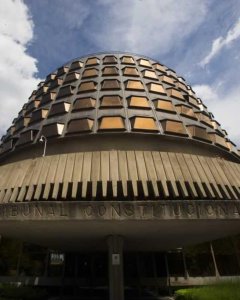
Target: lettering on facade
85	210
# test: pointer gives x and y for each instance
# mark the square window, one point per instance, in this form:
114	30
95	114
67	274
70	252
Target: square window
128	60
174	93
110	84
138	102
143	124
110	71
80	125
59	108
112	123
156	88
130	71
88	86
73	76
111	101
144	63
92	61
173	127
150	74
90	73
84	104
54	129
134	85
65	91
199	133
76	65
109	59
186	111
164	105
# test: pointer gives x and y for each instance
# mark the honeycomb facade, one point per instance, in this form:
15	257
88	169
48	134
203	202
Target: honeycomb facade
114	93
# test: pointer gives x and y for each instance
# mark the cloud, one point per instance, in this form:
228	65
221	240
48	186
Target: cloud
17	68
219	43
149	27
224	105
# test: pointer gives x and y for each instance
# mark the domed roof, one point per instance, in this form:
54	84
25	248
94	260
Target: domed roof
117	93
116	126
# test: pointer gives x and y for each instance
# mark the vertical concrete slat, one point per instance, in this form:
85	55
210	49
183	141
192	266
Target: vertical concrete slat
161	175
105	170
186	174
169	173
77	173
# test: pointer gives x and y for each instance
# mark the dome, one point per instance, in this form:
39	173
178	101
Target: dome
117	128
117	94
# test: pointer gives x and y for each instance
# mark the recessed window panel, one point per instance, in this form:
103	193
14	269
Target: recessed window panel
128	60
218	140
112	123
21	123
156	88
164	105
50	77
84	104
198	132
173	127
39	114
65	91
80	125
205	119
27	137
144	63
92	61
55	83
143	124
109	59
8	145
134	85
32	105
41	90
59	108
110	84
138	102
11	130
76	65
174	93
149	74
130	71
192	100
110	71
48	97
181	86
166	79
160	68
88	86
72	76
111	101
186	111
62	71
54	129
90	73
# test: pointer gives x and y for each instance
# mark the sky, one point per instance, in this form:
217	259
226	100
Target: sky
199	39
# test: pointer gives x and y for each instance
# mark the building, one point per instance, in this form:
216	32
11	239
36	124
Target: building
118	169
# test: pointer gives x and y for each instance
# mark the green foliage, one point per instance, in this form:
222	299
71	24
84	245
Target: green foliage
221	291
8	291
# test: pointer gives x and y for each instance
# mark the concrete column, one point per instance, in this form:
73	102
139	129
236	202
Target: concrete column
115	265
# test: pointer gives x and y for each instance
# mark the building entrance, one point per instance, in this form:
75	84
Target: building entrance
145	274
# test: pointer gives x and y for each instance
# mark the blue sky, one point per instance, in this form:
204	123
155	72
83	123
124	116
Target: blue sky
199	39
